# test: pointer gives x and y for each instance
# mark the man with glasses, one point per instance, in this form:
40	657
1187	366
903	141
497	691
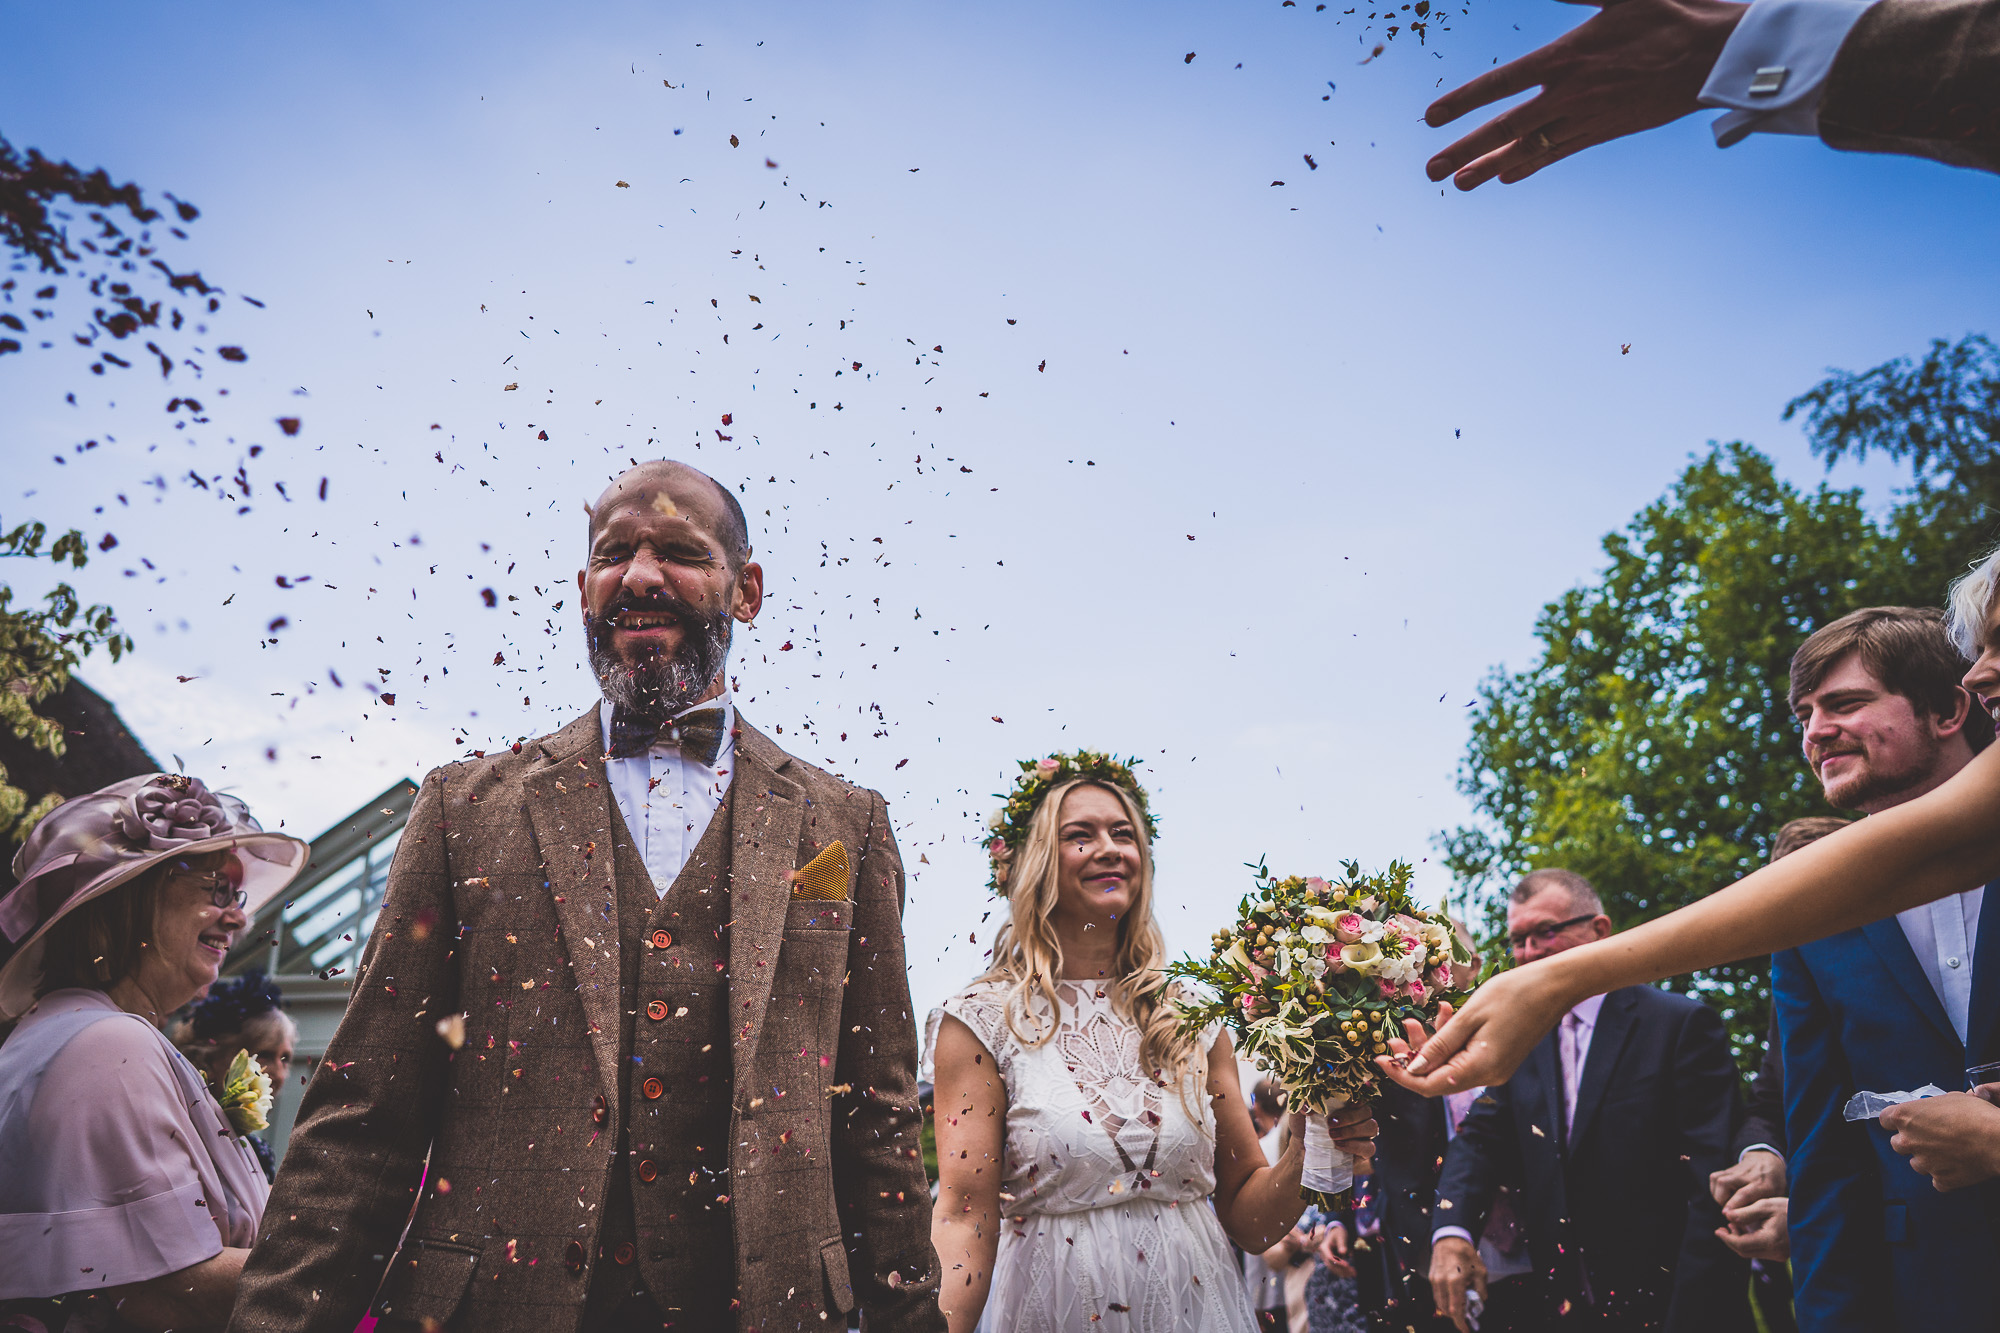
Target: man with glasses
1606	1136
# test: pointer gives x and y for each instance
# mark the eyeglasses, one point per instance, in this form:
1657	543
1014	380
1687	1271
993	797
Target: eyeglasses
1546	934
220	891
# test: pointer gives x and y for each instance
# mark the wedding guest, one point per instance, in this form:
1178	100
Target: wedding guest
1896	76
1937	845
241	1014
128	1195
1752	1191
1408	1157
1896	1004
1608	1134
1264	1276
674	956
1082	1135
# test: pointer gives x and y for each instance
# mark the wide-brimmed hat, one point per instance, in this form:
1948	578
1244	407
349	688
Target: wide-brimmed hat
92	844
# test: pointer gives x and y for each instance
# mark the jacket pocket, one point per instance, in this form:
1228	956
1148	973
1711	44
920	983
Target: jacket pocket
426	1280
807	914
833	1260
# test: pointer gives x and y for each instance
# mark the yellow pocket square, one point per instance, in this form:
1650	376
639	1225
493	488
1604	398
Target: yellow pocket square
824	878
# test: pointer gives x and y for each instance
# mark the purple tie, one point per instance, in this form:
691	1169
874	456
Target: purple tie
1568	1041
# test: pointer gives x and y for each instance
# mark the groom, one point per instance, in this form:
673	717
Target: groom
682	1092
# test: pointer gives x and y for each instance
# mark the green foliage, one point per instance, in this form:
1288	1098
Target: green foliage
1650	747
39	647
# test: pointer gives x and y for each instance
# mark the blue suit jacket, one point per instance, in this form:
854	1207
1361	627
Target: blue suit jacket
1874	1245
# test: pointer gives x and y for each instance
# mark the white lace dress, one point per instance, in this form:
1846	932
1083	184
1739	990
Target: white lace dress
1106	1181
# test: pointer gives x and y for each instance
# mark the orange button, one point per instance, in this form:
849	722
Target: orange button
656	1010
653	1089
663	939
647	1171
573	1257
599	1112
625	1253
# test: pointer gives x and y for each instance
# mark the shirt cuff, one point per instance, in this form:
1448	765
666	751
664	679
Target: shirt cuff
1773	70
1760	1147
1459	1232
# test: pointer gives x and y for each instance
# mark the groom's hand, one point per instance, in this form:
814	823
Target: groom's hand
1635	65
1953	1139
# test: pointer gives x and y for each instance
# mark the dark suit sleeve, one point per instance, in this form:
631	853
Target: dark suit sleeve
1921	77
357	1152
1764	1118
1838	1248
1711	1283
878	1167
1483	1157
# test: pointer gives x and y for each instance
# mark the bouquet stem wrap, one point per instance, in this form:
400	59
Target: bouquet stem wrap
1329	1172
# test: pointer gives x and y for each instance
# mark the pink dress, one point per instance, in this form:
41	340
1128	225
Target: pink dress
116	1164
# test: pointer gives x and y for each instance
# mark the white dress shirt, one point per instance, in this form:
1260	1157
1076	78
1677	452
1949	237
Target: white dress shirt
1773	70
1941	935
1572	1049
668	801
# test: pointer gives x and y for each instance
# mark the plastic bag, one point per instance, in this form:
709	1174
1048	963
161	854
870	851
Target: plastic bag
1868	1105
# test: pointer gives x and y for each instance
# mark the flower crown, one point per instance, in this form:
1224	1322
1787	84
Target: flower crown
1009	824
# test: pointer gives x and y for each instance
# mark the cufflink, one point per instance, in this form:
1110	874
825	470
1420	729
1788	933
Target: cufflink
1768	80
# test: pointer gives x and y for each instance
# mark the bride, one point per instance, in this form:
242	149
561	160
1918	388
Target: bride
1091	1156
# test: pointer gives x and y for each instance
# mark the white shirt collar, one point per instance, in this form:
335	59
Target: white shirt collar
722	701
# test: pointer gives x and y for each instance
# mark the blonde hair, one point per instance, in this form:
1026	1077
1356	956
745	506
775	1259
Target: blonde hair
1969	602
1028	953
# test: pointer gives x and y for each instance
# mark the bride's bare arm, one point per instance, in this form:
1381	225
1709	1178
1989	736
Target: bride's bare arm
1945	841
971	1112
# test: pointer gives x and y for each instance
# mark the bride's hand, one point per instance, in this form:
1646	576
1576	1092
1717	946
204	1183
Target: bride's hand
1484	1043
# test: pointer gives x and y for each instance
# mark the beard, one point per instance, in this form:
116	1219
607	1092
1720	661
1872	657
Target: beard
1875	785
655	686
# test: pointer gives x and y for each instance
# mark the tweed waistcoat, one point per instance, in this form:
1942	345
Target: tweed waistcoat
668	1200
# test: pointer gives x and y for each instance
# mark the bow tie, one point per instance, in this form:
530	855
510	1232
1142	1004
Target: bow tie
699	734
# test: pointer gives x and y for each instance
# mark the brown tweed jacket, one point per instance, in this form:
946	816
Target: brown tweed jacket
1922	77
496	909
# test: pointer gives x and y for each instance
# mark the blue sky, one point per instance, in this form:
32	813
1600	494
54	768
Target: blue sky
1303	462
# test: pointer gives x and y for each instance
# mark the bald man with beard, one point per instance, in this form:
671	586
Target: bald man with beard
687	1092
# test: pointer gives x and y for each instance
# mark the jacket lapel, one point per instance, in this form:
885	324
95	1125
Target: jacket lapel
1607	1041
569	810
766	809
1893	947
1985	982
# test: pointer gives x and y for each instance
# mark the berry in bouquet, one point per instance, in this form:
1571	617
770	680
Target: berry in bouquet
1314	979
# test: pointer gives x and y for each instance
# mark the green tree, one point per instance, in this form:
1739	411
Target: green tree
1650	747
39	647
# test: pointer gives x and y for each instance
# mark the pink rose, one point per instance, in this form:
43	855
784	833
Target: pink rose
1387	987
1316	886
1249	1002
1047	766
1417	992
1440	978
1334	964
1349	929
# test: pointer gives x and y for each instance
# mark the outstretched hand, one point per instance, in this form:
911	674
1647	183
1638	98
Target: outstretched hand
1633	66
1485	1042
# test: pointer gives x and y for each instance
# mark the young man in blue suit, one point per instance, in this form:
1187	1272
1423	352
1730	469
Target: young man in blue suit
1906	1001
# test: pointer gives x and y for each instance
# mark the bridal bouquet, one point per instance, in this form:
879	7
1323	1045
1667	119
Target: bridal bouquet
1313	980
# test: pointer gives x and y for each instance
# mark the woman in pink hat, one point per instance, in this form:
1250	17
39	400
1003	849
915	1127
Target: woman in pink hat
128	1196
